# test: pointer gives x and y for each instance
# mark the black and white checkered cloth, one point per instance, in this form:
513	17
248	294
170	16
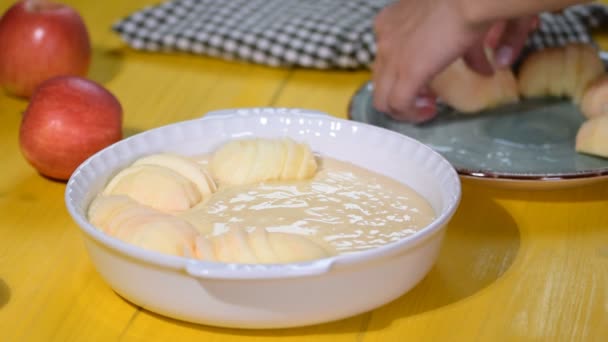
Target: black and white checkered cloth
319	34
570	26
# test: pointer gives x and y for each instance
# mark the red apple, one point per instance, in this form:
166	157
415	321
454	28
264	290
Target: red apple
68	119
40	39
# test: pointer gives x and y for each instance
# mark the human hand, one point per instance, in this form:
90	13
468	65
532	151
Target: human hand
418	39
506	39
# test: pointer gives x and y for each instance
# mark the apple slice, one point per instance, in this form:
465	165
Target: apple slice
160	233
258	239
231	163
249	161
203	249
268	160
470	92
185	167
155	186
233	246
592	137
560	71
595	98
295	248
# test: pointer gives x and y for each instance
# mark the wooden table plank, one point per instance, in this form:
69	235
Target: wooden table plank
533	267
515	265
329	92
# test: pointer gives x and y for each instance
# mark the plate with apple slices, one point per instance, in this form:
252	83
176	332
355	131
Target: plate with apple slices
530	144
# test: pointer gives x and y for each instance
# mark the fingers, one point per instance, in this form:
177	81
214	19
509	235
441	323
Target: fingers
425	106
495	33
382	80
506	39
513	40
409	102
415	41
534	23
477	59
400	93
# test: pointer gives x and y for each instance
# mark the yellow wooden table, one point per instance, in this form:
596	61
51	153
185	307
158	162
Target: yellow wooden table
516	265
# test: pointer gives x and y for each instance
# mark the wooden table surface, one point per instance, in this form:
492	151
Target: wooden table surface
516	265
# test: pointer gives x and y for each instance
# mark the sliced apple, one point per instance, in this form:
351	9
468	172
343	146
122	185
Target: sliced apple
264	253
595	98
468	91
185	167
560	72
295	248
164	234
592	137
256	160
155	186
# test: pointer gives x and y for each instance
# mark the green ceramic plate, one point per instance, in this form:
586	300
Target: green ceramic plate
521	144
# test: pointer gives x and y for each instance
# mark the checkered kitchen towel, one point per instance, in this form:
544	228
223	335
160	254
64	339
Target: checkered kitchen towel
308	33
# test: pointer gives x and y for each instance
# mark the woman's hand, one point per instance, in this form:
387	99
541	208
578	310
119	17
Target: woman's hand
506	39
415	40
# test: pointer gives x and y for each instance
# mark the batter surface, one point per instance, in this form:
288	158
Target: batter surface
343	207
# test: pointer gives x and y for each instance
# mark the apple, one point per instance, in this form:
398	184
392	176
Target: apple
41	39
68	119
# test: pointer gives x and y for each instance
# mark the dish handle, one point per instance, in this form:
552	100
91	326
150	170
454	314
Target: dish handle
223	271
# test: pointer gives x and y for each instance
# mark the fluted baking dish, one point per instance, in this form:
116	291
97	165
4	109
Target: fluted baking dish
270	296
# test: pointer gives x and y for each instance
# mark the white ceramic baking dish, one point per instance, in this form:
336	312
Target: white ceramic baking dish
270	296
